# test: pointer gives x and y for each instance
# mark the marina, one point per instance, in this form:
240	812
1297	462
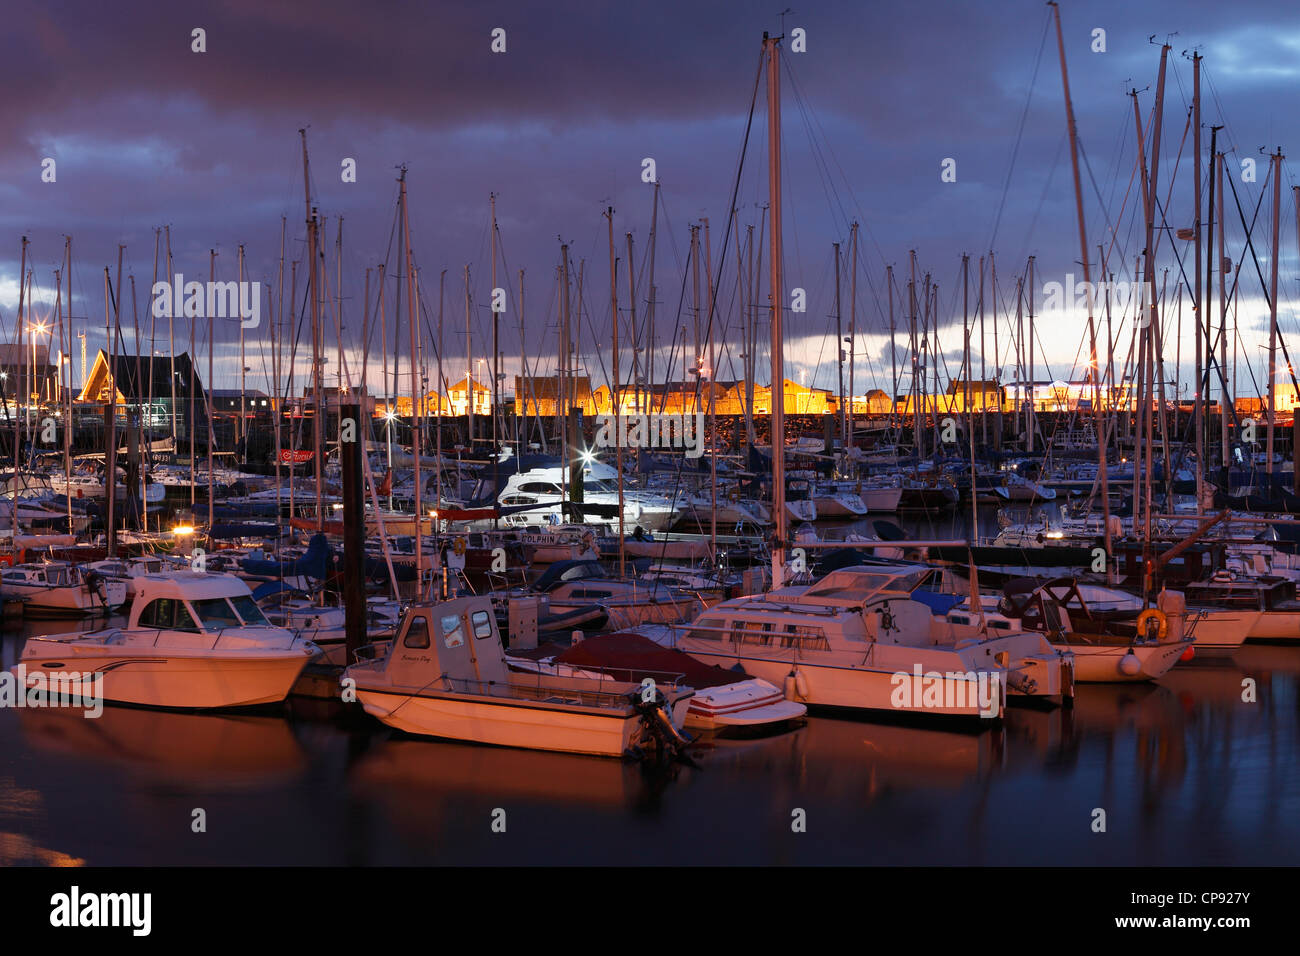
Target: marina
514	469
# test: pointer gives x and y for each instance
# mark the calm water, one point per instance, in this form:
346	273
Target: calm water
1186	771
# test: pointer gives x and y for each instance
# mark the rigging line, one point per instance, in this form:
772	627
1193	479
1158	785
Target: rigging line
1255	259
807	110
1020	132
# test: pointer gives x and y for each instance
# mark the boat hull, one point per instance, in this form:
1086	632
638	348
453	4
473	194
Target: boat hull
1100	664
503	723
179	681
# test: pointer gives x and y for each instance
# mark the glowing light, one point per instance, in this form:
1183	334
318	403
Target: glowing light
183	530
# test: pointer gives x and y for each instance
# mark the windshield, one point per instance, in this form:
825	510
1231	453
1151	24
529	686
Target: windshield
248	610
216	613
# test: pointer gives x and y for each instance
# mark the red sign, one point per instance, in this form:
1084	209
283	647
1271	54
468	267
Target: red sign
295	457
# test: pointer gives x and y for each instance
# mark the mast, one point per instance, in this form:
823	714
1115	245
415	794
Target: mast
1272	309
1033	417
771	45
839	351
893	354
469	365
614	390
318	441
853	327
1198	316
212	277
18	338
1223	322
496	333
241	439
1099	424
416	396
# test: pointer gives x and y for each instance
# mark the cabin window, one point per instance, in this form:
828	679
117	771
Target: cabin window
168	613
752	632
482	624
708	629
452	635
417	633
805	638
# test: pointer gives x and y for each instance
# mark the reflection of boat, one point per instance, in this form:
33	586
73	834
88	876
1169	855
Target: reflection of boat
446	676
187	749
192	641
408	773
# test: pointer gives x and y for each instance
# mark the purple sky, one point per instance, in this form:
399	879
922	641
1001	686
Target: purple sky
145	133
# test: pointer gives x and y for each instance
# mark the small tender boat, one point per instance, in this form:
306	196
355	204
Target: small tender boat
61	589
197	642
725	702
446	676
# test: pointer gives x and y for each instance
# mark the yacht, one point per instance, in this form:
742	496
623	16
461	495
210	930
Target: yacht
191	642
541	491
859	639
446	676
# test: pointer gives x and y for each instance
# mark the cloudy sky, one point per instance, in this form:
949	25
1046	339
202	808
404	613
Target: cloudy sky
145	133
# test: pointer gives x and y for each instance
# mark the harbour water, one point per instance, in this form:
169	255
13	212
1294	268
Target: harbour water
1187	771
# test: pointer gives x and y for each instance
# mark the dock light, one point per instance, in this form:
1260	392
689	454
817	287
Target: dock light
390	416
1056	534
588	457
433	512
183	530
338	507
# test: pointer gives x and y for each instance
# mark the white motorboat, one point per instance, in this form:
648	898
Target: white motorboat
446	676
128	570
61	589
857	639
541	491
191	643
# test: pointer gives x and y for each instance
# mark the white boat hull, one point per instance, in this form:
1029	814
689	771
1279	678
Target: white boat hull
504	723
165	678
1099	664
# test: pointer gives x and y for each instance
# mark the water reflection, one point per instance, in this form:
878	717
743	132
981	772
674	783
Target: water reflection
1188	772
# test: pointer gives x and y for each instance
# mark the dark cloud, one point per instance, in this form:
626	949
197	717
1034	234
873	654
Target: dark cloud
147	133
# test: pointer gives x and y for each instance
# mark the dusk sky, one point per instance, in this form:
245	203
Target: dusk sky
145	132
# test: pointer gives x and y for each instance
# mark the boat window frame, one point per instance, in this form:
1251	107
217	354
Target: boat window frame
422	622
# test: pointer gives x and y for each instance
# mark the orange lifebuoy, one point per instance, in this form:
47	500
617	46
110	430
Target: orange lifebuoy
1162	622
7	559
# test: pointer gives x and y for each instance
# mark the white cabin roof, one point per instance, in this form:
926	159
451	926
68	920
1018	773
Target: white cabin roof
189	587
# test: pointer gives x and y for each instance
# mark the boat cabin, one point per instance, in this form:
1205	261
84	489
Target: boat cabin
203	602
